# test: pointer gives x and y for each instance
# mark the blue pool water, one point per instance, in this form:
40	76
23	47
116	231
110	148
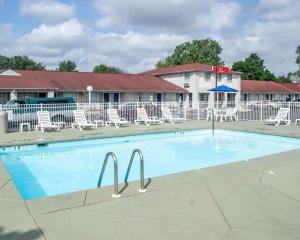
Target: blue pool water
72	166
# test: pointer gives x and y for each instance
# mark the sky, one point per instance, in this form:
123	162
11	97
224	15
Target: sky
134	34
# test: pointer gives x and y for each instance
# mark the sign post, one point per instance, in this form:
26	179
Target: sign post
217	70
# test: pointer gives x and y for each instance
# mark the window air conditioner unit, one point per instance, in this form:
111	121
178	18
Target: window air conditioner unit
186	85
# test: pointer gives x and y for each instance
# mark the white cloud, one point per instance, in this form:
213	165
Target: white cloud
47	10
64	34
131	51
104	22
279	9
273	34
6	39
176	16
139	33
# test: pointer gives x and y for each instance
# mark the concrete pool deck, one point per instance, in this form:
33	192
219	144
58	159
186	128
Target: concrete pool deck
257	199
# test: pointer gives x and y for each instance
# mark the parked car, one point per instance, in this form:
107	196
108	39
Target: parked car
60	109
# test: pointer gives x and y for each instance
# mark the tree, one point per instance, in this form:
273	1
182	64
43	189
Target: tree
285	79
253	68
204	51
67	66
102	68
20	63
298	56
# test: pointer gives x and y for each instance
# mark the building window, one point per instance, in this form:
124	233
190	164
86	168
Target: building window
219	77
207	77
203	97
229	77
4	97
187	77
170	97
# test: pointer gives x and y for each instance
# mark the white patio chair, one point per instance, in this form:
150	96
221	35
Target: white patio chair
114	119
44	121
281	117
80	120
168	117
142	117
209	113
231	114
217	113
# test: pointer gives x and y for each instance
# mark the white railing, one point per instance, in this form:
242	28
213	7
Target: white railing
249	110
253	110
95	111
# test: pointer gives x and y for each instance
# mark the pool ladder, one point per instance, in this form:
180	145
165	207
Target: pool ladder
116	184
142	178
116	193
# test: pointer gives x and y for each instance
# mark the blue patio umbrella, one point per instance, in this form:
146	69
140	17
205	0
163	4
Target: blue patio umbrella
222	88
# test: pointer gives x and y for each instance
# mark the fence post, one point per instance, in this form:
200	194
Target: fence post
198	110
289	114
261	111
185	109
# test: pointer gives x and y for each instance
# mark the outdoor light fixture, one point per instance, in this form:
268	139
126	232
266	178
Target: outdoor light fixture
89	89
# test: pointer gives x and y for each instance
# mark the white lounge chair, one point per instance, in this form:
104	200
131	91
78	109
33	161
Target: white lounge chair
80	120
44	121
168	117
114	119
281	117
142	117
231	114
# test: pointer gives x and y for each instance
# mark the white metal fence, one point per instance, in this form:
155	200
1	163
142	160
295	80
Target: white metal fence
251	111
95	111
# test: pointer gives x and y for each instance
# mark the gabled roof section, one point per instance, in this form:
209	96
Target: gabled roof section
295	87
9	72
78	81
258	86
181	68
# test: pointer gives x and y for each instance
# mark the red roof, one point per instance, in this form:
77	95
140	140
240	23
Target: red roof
180	68
257	86
78	81
295	87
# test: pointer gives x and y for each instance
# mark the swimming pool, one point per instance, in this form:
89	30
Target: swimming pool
41	171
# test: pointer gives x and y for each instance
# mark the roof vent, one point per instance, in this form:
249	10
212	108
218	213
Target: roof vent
10	72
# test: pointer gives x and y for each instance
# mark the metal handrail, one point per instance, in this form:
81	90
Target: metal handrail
142	178
116	185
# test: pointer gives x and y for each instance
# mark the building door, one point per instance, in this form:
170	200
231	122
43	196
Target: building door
181	97
116	97
190	99
106	98
158	97
116	100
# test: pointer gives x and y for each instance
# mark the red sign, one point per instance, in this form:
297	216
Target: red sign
220	69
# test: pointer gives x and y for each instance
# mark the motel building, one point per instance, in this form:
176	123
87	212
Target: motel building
187	83
197	79
268	90
106	88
